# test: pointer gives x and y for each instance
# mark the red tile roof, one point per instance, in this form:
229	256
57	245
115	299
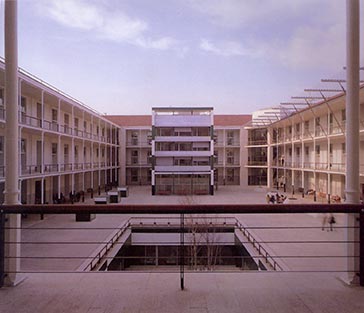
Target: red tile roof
130	120
232	119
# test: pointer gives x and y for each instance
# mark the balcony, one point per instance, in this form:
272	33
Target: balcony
182	120
55	127
257	163
182	138
337	129
31	170
309	278
257	142
189	153
178	169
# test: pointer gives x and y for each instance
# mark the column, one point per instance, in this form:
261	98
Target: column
269	158
352	129
12	265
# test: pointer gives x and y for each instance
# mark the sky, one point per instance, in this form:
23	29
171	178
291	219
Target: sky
127	56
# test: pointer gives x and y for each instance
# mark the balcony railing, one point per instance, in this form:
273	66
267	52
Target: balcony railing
261	241
30	120
258	162
232	142
337	129
54	126
257	142
31	170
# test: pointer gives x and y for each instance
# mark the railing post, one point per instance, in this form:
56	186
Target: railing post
182	251
2	249
361	249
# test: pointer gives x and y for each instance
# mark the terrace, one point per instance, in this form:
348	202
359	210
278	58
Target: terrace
311	278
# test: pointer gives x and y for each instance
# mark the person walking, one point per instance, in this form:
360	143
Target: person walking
332	221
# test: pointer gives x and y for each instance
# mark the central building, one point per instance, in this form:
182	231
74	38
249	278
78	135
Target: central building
182	151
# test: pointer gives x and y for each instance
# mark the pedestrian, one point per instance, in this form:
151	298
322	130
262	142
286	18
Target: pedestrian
332	221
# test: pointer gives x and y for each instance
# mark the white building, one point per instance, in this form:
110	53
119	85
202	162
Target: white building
182	151
65	147
305	150
229	137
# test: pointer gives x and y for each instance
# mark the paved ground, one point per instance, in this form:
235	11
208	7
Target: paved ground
206	292
159	293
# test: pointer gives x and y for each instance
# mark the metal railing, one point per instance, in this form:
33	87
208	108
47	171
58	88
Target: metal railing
182	225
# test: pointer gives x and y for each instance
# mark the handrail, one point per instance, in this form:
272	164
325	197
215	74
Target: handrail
196	209
182	209
257	245
105	249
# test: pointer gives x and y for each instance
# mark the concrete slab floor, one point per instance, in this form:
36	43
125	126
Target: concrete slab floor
205	292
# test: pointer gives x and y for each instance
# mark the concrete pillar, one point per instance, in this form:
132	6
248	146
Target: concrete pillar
12	265
352	192
269	158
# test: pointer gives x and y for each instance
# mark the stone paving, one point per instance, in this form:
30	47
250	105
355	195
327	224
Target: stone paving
205	292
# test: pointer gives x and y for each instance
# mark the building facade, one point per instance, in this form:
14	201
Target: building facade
65	147
182	151
229	157
305	151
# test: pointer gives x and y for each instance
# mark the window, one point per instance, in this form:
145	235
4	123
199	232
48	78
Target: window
84	125
134	138
23	146
66	119
307	150
230	138
331	149
149	157
134	175
317	121
23	104
317	149
54	115
290	151
134	156
229	157
298	128
54	148
298	151
343	115
230	174
76	123
65	150
343	148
